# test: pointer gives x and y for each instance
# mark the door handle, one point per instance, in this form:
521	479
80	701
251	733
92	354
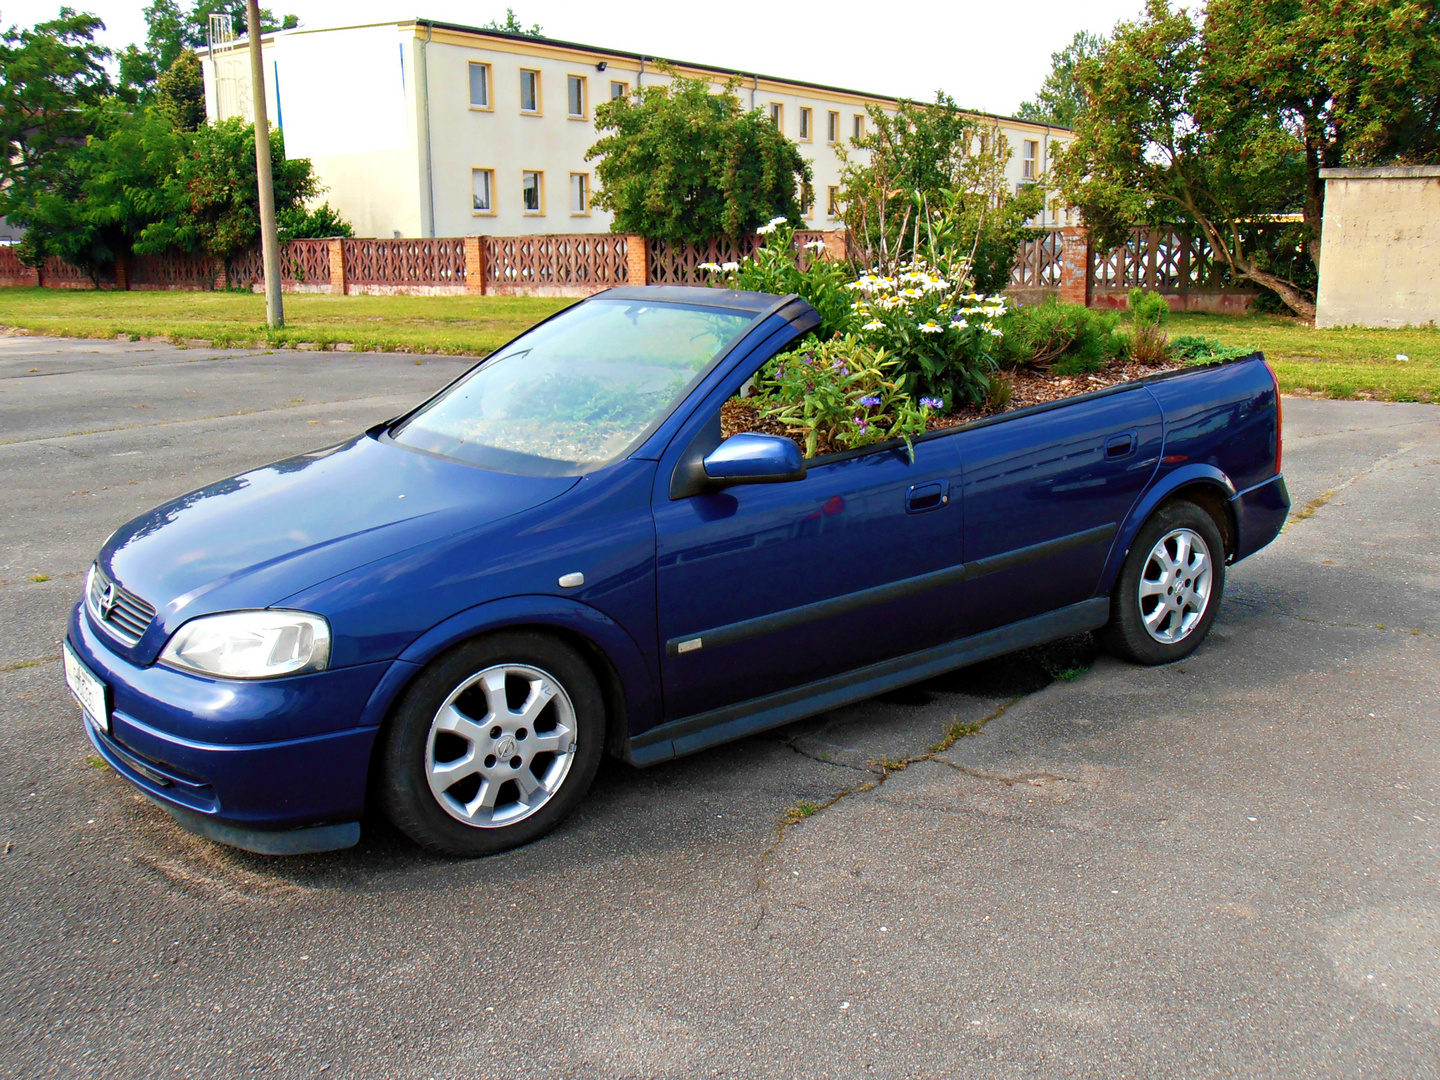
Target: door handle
923	497
1117	446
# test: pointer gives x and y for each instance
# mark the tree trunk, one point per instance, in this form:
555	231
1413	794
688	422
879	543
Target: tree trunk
1246	269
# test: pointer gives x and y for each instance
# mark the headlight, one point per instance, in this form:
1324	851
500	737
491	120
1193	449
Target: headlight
251	644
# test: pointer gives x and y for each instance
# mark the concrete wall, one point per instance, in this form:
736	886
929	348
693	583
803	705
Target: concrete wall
1380	247
352	100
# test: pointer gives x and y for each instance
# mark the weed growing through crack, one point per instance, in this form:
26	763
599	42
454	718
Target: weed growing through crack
800	811
37	578
95	762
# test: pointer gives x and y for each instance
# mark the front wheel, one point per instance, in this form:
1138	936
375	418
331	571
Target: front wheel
493	745
1169	589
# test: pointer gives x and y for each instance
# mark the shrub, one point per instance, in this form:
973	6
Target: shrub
1202	350
1148	312
1068	339
842	392
772	269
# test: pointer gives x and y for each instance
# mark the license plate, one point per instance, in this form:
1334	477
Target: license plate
88	690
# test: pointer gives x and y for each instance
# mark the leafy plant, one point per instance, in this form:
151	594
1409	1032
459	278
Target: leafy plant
843	393
296	223
1194	349
680	162
774	268
1067	339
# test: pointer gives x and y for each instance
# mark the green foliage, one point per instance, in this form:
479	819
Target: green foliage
843	393
678	162
946	340
213	194
774	269
1196	349
930	184
298	223
51	77
1148	312
512	25
180	92
1061	99
1147	308
170	30
1067	339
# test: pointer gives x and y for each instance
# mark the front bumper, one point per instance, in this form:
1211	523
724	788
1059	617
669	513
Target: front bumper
277	766
1260	514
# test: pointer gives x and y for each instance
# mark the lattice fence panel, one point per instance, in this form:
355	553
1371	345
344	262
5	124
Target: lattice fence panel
677	263
1039	262
306	262
580	260
405	262
55	271
173	271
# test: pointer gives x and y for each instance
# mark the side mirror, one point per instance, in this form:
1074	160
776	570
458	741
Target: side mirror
749	458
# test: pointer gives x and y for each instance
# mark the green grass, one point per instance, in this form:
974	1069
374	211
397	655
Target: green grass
1340	363
439	324
1337	363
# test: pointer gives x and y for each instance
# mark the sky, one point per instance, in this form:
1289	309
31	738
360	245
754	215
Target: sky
988	56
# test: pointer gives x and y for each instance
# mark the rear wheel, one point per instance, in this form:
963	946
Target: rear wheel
493	745
1170	587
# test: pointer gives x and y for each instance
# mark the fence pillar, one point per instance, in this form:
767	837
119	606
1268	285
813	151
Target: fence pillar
637	260
1075	265
837	244
122	273
337	266
475	265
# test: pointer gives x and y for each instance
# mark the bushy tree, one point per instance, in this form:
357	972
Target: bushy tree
679	161
298	223
930	182
51	78
180	92
512	25
1061	98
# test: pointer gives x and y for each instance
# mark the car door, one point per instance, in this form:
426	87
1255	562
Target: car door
1044	495
765	587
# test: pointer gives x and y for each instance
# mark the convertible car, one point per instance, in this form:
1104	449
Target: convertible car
454	615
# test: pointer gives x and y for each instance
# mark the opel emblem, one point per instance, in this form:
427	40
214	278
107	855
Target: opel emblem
107	601
505	747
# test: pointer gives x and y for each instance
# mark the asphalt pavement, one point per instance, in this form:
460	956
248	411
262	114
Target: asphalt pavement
1226	867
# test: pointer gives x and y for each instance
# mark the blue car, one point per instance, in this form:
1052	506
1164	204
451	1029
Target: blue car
454	615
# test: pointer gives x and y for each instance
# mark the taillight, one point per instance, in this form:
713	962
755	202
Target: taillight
1279	418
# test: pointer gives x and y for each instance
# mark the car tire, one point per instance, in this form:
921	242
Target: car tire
493	745
1170	587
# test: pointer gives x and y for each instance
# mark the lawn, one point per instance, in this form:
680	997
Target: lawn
1339	363
442	324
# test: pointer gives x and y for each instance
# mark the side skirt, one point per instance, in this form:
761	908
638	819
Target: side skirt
703	730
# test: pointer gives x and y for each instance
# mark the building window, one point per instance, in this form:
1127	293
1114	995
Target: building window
480	86
859	126
575	97
777	115
619	90
529	91
532	184
832	201
579	193
832	127
1028	159
807	200
805	124
482	186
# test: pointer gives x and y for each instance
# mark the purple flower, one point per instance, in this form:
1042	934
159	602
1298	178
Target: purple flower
931	402
860	423
840	367
870	399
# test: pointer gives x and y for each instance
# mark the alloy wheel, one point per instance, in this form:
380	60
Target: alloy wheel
1175	585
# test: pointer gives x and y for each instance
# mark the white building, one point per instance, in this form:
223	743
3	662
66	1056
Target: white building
421	128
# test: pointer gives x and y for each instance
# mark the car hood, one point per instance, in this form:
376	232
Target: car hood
255	538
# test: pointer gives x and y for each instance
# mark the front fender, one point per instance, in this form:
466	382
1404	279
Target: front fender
1165	486
642	703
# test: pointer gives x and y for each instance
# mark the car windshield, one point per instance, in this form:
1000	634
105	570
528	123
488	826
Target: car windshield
576	392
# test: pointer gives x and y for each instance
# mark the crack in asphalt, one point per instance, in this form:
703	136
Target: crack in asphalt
881	769
1310	508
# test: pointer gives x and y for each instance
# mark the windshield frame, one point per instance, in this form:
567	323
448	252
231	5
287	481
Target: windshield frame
387	431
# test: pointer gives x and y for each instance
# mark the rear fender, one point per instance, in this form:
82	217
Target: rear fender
1165	487
641	704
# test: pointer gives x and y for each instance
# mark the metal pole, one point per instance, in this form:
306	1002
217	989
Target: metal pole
269	237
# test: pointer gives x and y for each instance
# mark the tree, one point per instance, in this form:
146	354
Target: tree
1155	141
180	92
1061	97
512	25
297	223
51	77
931	184
212	193
1357	83
680	162
170	30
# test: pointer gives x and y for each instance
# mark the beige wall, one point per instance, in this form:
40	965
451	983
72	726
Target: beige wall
1380	248
351	99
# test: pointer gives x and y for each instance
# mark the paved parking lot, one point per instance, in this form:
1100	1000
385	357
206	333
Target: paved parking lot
1223	868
